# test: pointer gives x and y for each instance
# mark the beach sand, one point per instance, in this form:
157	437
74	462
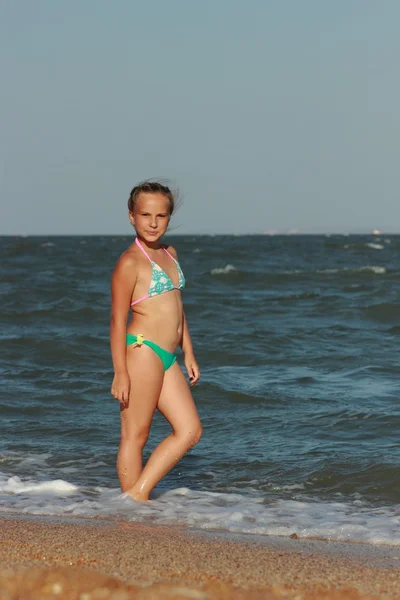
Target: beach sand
44	558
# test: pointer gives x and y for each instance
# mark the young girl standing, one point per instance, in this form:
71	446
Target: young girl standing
147	377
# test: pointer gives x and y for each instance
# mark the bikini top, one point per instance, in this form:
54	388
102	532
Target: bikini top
160	281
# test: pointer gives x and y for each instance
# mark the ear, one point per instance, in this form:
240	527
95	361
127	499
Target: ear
131	218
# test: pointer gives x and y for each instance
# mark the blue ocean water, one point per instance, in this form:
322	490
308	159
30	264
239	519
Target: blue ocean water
297	339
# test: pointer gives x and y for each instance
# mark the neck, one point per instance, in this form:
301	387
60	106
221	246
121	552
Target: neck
149	245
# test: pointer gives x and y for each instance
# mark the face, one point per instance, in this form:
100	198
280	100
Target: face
151	216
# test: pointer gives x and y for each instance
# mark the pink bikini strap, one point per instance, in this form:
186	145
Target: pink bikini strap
142	249
140	299
145	253
170	255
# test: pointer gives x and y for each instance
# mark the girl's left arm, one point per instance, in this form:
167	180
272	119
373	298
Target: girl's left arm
187	348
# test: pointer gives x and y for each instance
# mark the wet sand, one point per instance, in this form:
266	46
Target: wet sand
44	558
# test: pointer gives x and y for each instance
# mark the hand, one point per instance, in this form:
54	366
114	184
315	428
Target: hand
193	369
120	388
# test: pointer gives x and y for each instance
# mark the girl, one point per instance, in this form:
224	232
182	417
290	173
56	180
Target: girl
148	278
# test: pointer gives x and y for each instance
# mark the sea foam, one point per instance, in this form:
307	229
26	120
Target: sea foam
248	513
223	270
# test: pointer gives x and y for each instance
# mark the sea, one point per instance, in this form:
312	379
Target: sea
297	338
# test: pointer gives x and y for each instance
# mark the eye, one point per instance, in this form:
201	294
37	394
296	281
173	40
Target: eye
163	216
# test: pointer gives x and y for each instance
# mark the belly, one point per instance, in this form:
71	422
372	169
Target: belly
159	319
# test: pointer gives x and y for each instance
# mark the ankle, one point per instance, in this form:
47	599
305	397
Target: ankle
138	496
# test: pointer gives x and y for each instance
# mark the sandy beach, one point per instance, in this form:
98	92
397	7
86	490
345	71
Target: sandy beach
82	559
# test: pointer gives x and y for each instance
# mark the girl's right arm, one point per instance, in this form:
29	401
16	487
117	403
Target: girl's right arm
122	285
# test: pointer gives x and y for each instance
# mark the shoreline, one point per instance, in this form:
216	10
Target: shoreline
146	561
341	547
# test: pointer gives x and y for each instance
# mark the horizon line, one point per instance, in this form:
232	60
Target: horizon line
264	234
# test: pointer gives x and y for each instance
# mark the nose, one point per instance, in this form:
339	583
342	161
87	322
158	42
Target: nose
153	222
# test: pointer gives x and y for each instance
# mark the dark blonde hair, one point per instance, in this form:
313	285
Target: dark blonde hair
151	187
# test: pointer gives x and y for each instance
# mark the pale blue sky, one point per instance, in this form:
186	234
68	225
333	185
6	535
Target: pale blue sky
269	114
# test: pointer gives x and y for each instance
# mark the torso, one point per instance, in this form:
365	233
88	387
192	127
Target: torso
159	318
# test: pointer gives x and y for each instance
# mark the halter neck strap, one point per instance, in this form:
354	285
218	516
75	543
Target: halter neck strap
142	249
145	253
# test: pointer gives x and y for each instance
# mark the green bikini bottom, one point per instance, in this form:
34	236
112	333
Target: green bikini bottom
167	358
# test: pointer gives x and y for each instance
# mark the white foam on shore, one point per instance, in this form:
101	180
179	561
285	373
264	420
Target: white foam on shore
14	485
237	513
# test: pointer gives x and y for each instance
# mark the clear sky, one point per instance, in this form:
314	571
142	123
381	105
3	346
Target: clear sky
269	114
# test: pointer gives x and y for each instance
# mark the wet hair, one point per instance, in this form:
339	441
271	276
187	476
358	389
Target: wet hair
151	187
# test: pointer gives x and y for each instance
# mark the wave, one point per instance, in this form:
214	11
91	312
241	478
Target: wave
375	246
385	312
231	512
376	269
231	273
372	245
224	270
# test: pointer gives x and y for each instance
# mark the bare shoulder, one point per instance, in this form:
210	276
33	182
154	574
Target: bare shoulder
127	263
171	250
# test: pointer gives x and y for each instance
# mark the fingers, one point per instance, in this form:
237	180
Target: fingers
194	374
122	395
123	398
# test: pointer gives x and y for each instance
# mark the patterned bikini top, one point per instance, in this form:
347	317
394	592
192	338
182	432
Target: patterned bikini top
160	281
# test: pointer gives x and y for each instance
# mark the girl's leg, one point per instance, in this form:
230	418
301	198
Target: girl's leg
146	374
177	406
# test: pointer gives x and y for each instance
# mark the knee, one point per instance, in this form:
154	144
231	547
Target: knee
136	437
194	434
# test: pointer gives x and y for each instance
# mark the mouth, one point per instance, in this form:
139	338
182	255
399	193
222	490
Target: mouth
152	232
